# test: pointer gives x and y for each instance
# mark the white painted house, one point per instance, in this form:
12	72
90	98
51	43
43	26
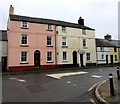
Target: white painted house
103	51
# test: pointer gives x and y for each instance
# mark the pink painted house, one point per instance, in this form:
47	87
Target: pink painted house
31	43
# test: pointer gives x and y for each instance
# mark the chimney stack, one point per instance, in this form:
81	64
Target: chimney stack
11	10
81	21
107	37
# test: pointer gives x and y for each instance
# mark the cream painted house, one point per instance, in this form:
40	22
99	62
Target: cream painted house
76	45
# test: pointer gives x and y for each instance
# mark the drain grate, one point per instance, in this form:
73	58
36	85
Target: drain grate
35	88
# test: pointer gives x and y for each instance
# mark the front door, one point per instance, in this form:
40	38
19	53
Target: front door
111	58
81	60
4	63
106	59
74	58
37	59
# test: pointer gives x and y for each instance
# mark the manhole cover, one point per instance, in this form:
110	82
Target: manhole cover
35	88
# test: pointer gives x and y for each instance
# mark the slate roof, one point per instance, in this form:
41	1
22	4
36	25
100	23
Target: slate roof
116	42
3	35
48	21
104	43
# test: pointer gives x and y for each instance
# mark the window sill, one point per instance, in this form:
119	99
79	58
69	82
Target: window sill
49	46
88	61
24	45
49	30
64	46
49	61
84	47
24	27
65	61
64	31
24	63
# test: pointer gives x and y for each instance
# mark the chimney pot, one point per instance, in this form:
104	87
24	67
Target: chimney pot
11	10
81	21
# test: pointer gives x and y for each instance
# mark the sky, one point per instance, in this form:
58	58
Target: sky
101	15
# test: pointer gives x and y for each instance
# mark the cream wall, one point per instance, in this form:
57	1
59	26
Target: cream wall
75	42
114	53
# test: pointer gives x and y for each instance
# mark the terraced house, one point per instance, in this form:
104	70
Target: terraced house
45	43
76	45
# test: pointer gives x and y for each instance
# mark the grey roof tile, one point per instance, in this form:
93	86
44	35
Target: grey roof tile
48	21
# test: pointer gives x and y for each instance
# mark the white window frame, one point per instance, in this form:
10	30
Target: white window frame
66	56
21	40
50	26
63	28
22	25
50	41
51	56
26	57
64	41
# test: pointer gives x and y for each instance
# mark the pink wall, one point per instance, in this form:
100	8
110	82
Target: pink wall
37	40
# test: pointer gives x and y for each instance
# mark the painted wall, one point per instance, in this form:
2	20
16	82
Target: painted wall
114	53
37	40
105	52
3	49
75	43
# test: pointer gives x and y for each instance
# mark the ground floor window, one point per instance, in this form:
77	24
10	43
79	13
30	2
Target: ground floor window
24	57
49	56
88	56
115	57
64	56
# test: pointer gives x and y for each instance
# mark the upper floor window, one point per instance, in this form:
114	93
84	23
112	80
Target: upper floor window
64	41
63	28
49	56
84	31
49	40
24	57
24	24
49	27
84	43
24	39
88	56
101	48
115	49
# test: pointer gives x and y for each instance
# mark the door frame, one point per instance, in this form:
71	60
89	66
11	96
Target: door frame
37	59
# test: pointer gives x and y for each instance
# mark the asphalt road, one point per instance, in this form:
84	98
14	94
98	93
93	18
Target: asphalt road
65	86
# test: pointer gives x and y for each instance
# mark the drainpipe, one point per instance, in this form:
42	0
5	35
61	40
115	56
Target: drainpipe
55	48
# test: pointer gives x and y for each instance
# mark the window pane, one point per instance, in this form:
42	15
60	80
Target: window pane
49	56
64	41
64	55
49	40
24	39
23	56
83	32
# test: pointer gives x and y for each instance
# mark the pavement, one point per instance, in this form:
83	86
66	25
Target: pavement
102	92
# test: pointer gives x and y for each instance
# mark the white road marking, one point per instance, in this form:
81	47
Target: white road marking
74	85
96	76
60	75
69	82
17	79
